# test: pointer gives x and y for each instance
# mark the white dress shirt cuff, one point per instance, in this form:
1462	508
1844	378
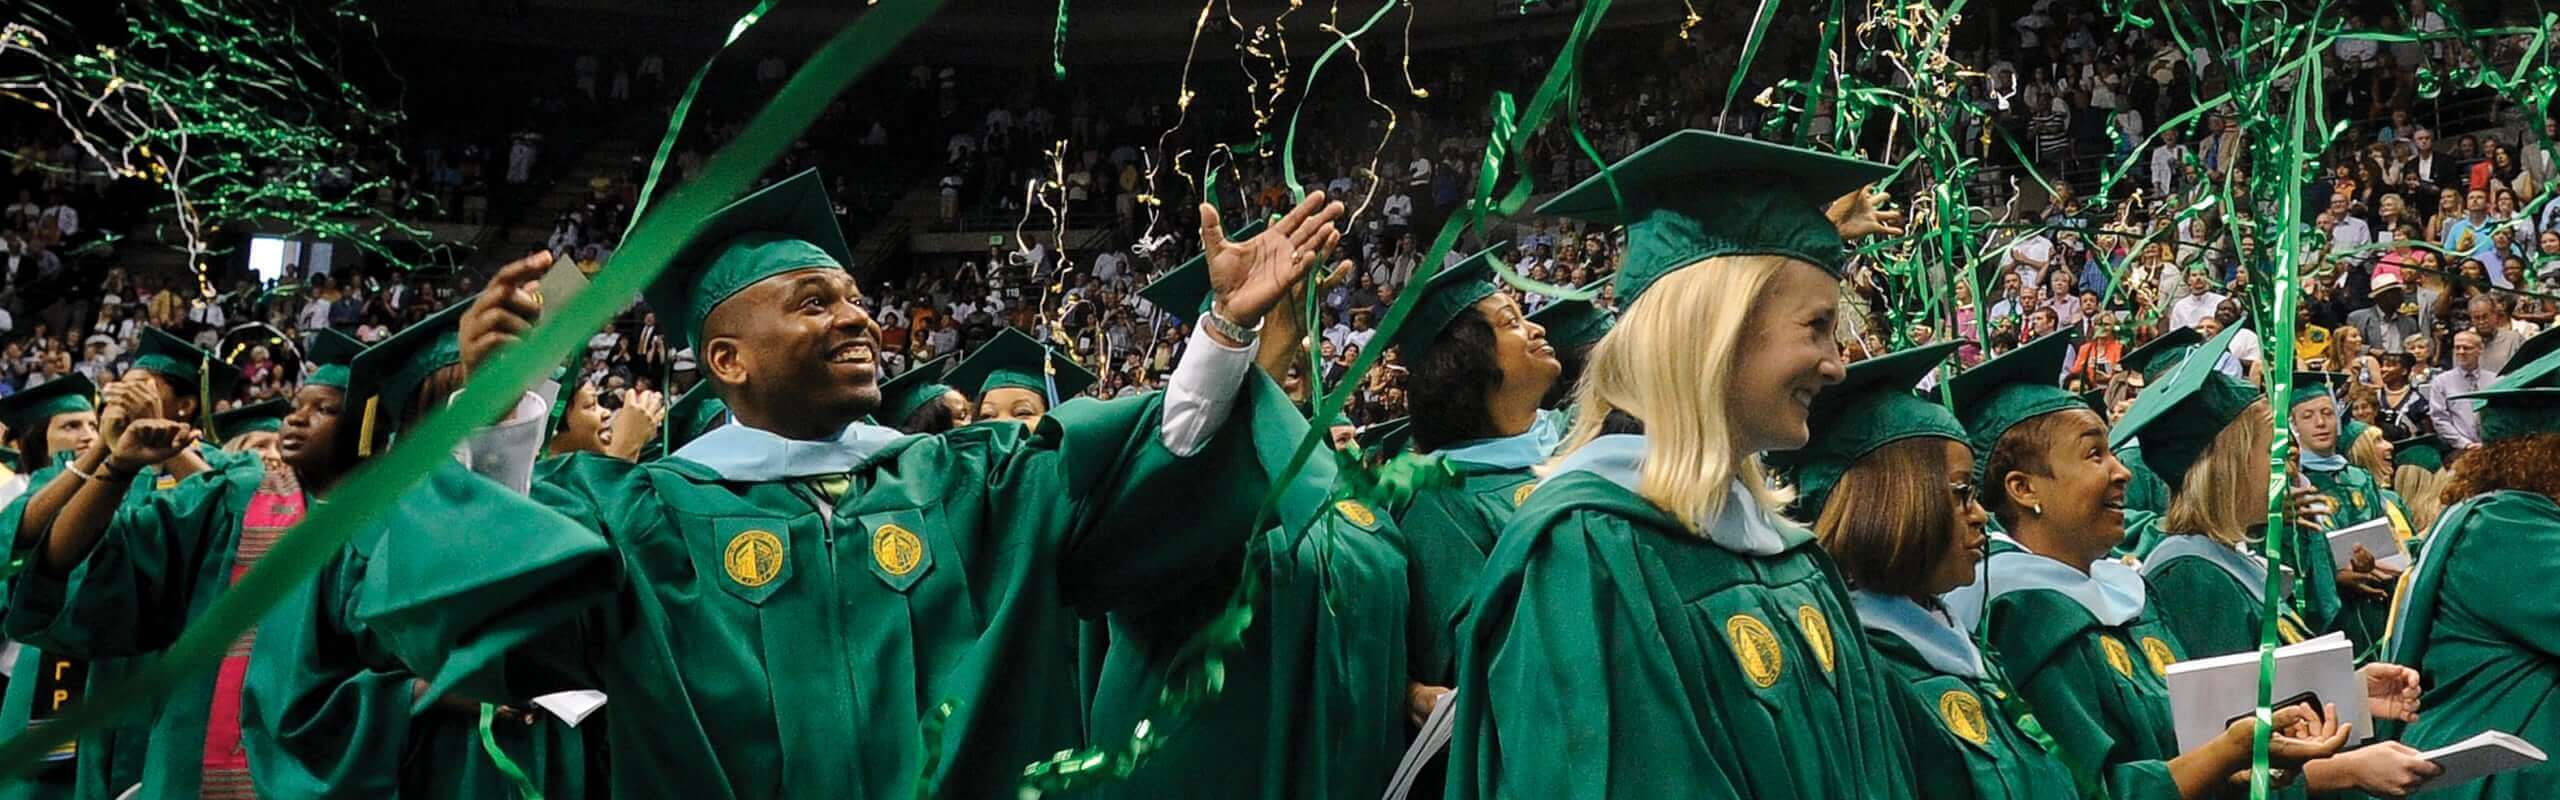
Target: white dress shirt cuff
1202	391
506	452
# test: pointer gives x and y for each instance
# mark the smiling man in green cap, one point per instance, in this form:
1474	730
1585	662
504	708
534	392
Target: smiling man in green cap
797	604
2353	598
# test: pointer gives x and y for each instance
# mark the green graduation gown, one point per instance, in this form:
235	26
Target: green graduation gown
1313	706
1447	532
104	763
1953	709
2490	651
2211	596
2146	498
1612	652
761	641
2091	658
2355	497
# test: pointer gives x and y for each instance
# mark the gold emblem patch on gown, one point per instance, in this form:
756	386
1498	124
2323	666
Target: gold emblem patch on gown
753	558
896	549
1963	713
1520	496
1817	633
2116	655
1756	648
1358	514
2157	652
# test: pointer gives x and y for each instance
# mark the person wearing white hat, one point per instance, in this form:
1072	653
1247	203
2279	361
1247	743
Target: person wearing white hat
2392	319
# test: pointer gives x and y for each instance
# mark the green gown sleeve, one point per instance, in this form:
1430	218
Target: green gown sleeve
2207	610
1446	540
1535	719
130	595
316	721
2042	640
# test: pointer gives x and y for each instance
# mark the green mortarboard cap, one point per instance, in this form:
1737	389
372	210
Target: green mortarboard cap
1384	439
1445	297
181	361
2426	452
693	414
34	406
2523	402
329	356
2309	385
2179	415
2020	385
2096	400
2155	356
383	380
1014	359
1872	406
1695	195
786	227
1573	323
267	416
2534	347
1184	291
910	390
2349	430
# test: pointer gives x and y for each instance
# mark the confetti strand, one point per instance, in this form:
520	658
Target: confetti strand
684	108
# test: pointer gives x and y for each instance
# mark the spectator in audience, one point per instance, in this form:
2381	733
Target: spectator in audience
2200	302
2456	421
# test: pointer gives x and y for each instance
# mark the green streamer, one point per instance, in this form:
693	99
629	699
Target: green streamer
1289	145
684	108
525	787
1058	44
375	484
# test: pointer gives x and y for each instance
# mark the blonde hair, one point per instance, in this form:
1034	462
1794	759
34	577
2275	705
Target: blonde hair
2366	452
1668	363
2217	498
2421	494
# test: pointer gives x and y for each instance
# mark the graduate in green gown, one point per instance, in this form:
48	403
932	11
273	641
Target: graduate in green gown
2071	626
1477	372
252	427
1017	379
2146	497
1654	548
56	417
2355	597
1312	706
1889	489
169	380
2469	617
2209	434
795	604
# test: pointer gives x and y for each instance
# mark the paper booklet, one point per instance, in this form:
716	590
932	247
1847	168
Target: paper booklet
1433	739
2481	756
571	706
2377	538
2207	694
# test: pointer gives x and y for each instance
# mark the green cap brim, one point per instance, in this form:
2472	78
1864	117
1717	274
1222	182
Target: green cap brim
1447	296
2534	347
184	363
787	227
1388	437
2309	385
1572	323
1695	194
2020	385
2426	452
1015	360
1872	406
2523	402
694	413
910	390
1184	291
2179	415
266	416
34	406
2155	356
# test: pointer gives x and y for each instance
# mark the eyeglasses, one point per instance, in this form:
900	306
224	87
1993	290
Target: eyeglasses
1963	490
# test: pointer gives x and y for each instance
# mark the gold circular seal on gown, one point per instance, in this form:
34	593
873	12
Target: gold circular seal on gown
2157	652
753	558
2116	655
1963	713
1520	496
1817	633
1358	514
897	549
1756	648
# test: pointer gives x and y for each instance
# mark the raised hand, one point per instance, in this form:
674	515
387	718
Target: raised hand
1859	215
145	442
123	402
636	424
1251	276
505	309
